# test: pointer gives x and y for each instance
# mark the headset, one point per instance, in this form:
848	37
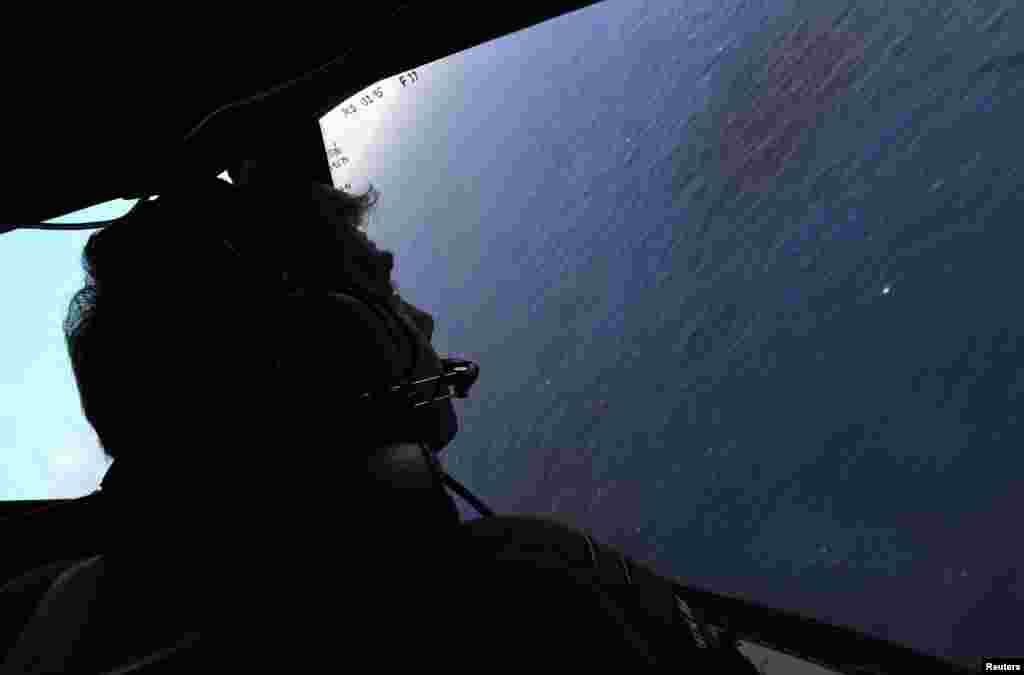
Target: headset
418	403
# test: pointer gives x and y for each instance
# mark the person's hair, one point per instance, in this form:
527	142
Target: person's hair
169	338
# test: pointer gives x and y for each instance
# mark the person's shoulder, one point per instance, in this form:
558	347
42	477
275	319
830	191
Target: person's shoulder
534	579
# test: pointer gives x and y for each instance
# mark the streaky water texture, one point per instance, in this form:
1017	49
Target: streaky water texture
743	278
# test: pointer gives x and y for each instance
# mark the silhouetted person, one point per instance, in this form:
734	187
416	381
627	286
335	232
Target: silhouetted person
249	502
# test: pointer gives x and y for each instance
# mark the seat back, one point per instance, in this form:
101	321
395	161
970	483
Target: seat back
182	657
51	633
20	597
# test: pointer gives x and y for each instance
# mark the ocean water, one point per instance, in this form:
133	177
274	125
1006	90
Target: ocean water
743	281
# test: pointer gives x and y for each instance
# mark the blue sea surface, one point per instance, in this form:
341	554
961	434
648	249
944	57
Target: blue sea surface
743	281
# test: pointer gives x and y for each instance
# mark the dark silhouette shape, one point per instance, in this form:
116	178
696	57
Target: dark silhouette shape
252	515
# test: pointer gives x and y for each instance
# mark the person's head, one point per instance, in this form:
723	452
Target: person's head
187	354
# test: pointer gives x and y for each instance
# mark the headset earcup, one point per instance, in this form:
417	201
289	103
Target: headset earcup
341	346
438	420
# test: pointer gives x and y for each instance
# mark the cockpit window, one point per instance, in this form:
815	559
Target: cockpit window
742	279
50	451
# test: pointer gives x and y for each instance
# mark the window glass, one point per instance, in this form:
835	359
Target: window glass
742	279
50	451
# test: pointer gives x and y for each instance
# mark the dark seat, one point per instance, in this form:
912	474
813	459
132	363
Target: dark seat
184	656
51	632
20	596
530	588
63	601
